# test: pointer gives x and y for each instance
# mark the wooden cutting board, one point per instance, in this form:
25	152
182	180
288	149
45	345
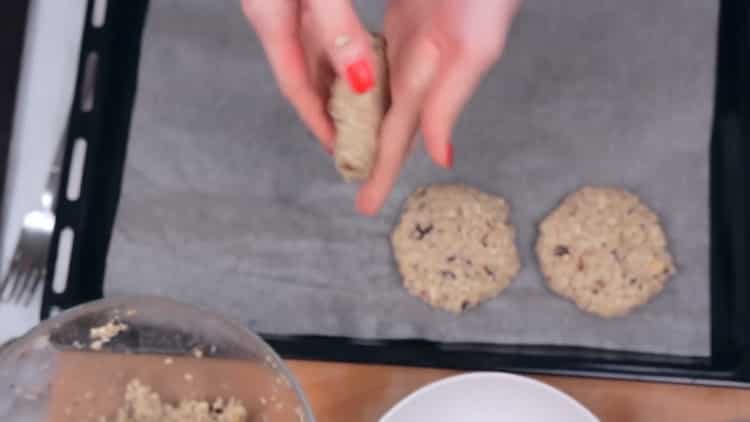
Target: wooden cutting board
363	393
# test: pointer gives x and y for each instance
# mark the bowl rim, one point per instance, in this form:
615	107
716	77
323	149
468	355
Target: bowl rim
47	326
495	376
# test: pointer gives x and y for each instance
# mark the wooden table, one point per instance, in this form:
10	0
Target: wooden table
346	393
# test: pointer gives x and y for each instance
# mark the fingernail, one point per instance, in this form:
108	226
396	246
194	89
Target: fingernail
360	76
448	159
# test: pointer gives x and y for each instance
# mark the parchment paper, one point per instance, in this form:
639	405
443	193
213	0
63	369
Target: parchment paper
228	202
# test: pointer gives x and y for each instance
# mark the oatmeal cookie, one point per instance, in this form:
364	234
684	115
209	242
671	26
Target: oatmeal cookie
605	250
455	246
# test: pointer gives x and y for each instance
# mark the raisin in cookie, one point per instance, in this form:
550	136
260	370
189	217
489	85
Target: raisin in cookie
605	250
357	119
455	247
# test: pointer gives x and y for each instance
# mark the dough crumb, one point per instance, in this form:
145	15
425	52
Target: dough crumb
104	334
142	404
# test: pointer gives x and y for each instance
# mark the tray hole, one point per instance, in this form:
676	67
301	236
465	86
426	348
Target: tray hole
62	264
99	14
88	87
75	177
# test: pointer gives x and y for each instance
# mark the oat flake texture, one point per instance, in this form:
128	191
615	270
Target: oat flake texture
144	405
455	247
357	119
605	250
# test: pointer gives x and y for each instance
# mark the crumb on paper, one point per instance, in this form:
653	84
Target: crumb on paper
25	394
188	377
168	361
104	334
299	413
142	404
198	353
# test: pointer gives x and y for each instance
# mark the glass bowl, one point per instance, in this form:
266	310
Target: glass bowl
77	366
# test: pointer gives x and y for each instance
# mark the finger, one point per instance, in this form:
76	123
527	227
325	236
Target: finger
347	44
462	68
449	93
411	79
277	26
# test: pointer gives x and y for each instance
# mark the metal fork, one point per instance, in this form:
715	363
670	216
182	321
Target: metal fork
28	268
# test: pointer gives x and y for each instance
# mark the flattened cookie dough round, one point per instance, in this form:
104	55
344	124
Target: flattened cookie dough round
605	250
455	247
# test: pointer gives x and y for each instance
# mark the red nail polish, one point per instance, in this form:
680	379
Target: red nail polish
360	75
449	156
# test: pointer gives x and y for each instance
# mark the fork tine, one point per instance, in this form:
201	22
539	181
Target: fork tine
33	287
16	284
7	281
22	284
39	281
10	275
23	275
28	285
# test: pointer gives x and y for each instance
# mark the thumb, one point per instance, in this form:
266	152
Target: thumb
346	42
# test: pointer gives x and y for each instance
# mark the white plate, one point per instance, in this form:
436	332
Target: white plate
488	397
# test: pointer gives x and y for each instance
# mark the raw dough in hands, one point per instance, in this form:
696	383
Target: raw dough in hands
357	118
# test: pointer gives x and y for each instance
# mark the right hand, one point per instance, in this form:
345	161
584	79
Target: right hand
438	52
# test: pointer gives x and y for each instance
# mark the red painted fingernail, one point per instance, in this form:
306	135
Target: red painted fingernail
360	75
449	156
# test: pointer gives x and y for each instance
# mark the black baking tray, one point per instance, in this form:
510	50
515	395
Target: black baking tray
105	128
12	36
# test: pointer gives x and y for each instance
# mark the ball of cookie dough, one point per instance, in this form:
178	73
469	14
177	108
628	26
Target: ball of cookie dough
357	119
455	246
605	250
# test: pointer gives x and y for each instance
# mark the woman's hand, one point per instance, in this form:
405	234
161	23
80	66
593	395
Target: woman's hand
438	51
306	41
